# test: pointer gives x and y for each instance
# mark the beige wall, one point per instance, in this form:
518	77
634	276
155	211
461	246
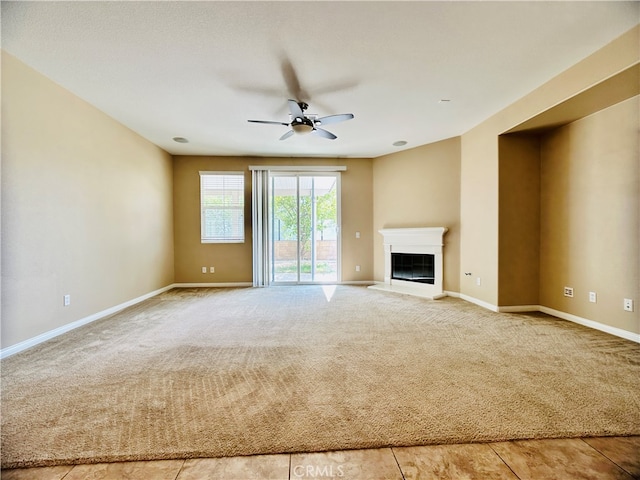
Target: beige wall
479	214
519	220
86	208
420	187
233	262
480	165
590	215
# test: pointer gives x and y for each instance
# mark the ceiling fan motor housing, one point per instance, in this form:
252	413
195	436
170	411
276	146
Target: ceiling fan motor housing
302	125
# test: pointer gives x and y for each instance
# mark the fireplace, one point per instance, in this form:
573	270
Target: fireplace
413	262
413	267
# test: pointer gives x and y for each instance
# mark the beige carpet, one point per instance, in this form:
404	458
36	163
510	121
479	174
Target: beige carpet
215	372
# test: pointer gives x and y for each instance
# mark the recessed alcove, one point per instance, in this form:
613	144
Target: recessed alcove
547	193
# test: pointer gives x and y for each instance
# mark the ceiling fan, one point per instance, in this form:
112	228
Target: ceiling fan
302	123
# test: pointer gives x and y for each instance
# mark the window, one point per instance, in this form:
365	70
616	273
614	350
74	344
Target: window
221	207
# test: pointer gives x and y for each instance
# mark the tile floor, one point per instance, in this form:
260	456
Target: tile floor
602	458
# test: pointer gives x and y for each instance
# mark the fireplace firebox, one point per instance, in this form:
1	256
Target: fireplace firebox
413	267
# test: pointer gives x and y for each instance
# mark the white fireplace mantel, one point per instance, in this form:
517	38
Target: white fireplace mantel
427	240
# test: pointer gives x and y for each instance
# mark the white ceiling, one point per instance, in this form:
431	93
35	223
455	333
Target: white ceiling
200	70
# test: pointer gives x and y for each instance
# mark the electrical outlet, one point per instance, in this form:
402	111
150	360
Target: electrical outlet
357	234
593	298
357	268
628	304
212	269
67	300
568	292
478	281
204	269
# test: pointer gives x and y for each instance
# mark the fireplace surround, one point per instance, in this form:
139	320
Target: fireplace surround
413	262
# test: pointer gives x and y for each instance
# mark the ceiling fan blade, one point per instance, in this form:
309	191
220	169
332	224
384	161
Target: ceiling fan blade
294	108
291	79
334	118
324	133
286	135
268	122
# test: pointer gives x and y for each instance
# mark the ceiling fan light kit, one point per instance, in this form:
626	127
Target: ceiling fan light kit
303	124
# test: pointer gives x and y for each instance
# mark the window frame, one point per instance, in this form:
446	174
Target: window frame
232	207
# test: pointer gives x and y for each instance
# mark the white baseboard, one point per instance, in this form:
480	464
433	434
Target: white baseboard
618	332
43	337
212	285
477	301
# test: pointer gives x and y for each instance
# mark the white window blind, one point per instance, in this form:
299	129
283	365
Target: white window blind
222	207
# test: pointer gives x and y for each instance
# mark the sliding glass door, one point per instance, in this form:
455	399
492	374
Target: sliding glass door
304	227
